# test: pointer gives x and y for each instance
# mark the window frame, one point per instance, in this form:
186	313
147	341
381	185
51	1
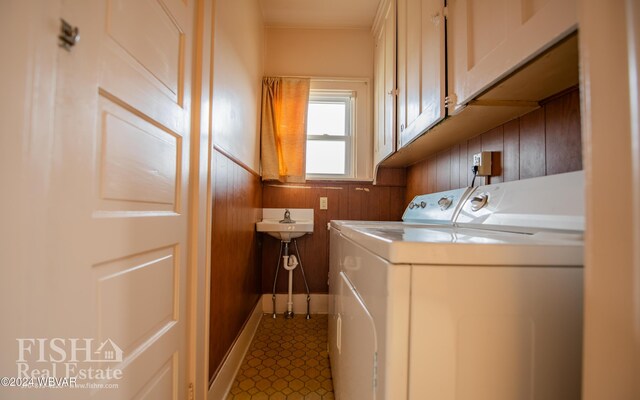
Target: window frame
348	98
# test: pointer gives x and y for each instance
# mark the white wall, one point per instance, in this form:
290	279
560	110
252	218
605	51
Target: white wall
319	52
237	79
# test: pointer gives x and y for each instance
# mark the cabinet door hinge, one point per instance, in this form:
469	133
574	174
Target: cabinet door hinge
191	395
450	101
445	12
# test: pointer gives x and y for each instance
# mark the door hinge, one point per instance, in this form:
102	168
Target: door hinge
445	12
450	101
191	395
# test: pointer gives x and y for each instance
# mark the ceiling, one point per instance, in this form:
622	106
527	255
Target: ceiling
319	13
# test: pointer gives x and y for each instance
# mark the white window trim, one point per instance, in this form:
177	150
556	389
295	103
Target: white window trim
361	133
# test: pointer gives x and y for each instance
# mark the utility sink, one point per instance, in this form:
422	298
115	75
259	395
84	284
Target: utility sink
272	224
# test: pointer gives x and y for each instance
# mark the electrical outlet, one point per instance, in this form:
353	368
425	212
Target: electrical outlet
324	203
483	162
477	158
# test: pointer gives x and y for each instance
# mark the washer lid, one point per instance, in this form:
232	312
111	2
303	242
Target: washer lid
416	244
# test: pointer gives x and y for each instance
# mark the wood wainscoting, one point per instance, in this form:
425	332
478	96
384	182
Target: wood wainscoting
346	200
235	258
546	141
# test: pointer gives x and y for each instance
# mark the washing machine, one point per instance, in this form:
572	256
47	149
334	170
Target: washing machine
483	302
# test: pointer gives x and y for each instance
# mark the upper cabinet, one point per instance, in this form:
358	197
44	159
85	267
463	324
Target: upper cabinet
498	60
421	67
487	40
384	99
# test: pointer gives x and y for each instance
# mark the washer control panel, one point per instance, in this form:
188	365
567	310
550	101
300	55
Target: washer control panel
436	208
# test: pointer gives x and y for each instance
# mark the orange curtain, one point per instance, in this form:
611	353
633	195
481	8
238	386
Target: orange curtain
284	128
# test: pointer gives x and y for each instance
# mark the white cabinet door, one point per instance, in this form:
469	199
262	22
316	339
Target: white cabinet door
358	346
486	40
385	84
421	67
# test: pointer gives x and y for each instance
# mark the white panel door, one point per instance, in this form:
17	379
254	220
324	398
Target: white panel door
106	259
385	85
421	67
358	346
488	39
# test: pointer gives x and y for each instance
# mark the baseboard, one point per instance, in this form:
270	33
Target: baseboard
319	303
223	381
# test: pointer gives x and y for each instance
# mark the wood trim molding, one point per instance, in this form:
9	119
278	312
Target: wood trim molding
223	379
235	160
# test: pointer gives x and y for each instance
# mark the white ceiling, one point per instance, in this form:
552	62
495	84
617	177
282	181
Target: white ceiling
319	13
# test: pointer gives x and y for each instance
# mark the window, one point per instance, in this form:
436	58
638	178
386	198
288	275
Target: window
339	135
330	123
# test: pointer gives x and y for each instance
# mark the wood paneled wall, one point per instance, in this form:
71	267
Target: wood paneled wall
356	201
546	141
235	258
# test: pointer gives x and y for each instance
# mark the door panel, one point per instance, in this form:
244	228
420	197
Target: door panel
106	257
358	346
138	160
143	167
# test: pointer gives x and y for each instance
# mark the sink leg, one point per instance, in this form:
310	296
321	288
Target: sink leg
275	280
304	278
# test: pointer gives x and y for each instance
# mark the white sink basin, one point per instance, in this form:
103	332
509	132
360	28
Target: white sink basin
272	226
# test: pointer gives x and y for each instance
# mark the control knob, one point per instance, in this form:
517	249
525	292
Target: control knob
479	201
445	203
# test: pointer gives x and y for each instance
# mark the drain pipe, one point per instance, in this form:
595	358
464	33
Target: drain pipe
290	263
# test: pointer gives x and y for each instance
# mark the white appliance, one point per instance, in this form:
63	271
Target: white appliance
483	302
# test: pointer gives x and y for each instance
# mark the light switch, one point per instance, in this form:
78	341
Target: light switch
323	203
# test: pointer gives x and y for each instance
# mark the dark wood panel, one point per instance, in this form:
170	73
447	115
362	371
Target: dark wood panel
563	133
431	175
464	166
353	201
532	144
511	158
493	141
455	167
443	170
392	177
545	141
474	146
235	268
414	182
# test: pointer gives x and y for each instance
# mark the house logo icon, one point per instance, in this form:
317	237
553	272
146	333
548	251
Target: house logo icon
108	352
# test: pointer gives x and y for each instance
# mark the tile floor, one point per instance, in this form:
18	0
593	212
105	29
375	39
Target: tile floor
287	359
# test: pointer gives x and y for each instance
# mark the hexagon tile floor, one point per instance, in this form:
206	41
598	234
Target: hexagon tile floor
287	359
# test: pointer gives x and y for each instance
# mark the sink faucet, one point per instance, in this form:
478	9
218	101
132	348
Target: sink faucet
287	218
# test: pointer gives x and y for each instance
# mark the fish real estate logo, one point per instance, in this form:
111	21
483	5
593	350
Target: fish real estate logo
70	360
